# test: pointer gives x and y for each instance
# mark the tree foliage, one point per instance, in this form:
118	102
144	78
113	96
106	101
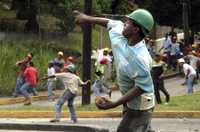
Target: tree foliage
104	6
169	13
63	10
194	15
27	10
123	7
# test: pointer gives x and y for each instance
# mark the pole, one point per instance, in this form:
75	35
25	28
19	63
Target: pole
185	21
87	32
101	38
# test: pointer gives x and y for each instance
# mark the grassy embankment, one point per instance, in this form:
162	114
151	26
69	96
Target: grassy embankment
14	48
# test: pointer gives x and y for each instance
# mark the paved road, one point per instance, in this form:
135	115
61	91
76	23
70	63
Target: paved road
158	124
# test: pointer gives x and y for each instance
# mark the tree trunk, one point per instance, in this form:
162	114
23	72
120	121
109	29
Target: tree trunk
32	26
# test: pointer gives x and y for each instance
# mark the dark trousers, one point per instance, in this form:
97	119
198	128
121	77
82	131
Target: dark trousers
159	86
173	61
135	120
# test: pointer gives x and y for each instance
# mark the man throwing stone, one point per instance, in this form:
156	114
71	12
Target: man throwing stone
133	63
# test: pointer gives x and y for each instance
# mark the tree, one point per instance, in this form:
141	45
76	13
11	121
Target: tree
63	9
169	13
195	16
27	10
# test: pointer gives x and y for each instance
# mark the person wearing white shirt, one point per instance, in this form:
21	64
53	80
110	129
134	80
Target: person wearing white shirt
190	74
51	84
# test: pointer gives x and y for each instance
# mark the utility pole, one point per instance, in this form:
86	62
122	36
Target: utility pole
185	16
87	32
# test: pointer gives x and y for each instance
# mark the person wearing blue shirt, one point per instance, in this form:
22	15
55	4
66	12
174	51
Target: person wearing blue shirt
133	64
175	53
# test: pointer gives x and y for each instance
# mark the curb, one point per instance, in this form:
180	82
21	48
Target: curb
51	127
7	101
95	114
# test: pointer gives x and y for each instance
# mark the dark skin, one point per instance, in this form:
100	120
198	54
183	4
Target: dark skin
131	32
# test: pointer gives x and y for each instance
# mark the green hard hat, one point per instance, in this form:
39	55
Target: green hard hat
143	18
71	68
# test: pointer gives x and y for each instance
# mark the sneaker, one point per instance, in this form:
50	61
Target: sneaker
54	120
27	102
15	95
75	121
52	98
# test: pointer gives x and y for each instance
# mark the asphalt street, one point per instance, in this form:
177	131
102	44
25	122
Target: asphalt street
158	124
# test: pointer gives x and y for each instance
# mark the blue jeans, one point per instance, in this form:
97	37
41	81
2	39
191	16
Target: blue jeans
25	88
33	91
99	88
190	83
20	81
67	96
50	86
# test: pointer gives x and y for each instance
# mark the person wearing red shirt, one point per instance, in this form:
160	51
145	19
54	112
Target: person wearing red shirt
31	80
22	64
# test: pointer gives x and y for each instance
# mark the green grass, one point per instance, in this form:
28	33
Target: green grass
12	51
15	47
182	103
178	103
7	14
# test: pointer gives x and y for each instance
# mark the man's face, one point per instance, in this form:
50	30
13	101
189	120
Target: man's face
174	38
129	29
29	56
60	56
181	64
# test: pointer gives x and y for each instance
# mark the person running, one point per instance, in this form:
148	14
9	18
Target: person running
22	64
31	79
133	63
101	86
158	80
71	83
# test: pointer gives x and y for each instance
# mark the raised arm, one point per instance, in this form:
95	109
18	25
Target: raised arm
82	18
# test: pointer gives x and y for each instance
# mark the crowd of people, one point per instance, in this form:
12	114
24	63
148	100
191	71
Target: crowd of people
58	69
174	55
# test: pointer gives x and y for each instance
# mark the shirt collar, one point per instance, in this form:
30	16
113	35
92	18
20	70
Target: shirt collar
139	44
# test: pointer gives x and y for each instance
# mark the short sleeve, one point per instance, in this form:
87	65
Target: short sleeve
114	23
80	82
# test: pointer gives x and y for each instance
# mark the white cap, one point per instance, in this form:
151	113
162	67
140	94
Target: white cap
181	60
60	53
